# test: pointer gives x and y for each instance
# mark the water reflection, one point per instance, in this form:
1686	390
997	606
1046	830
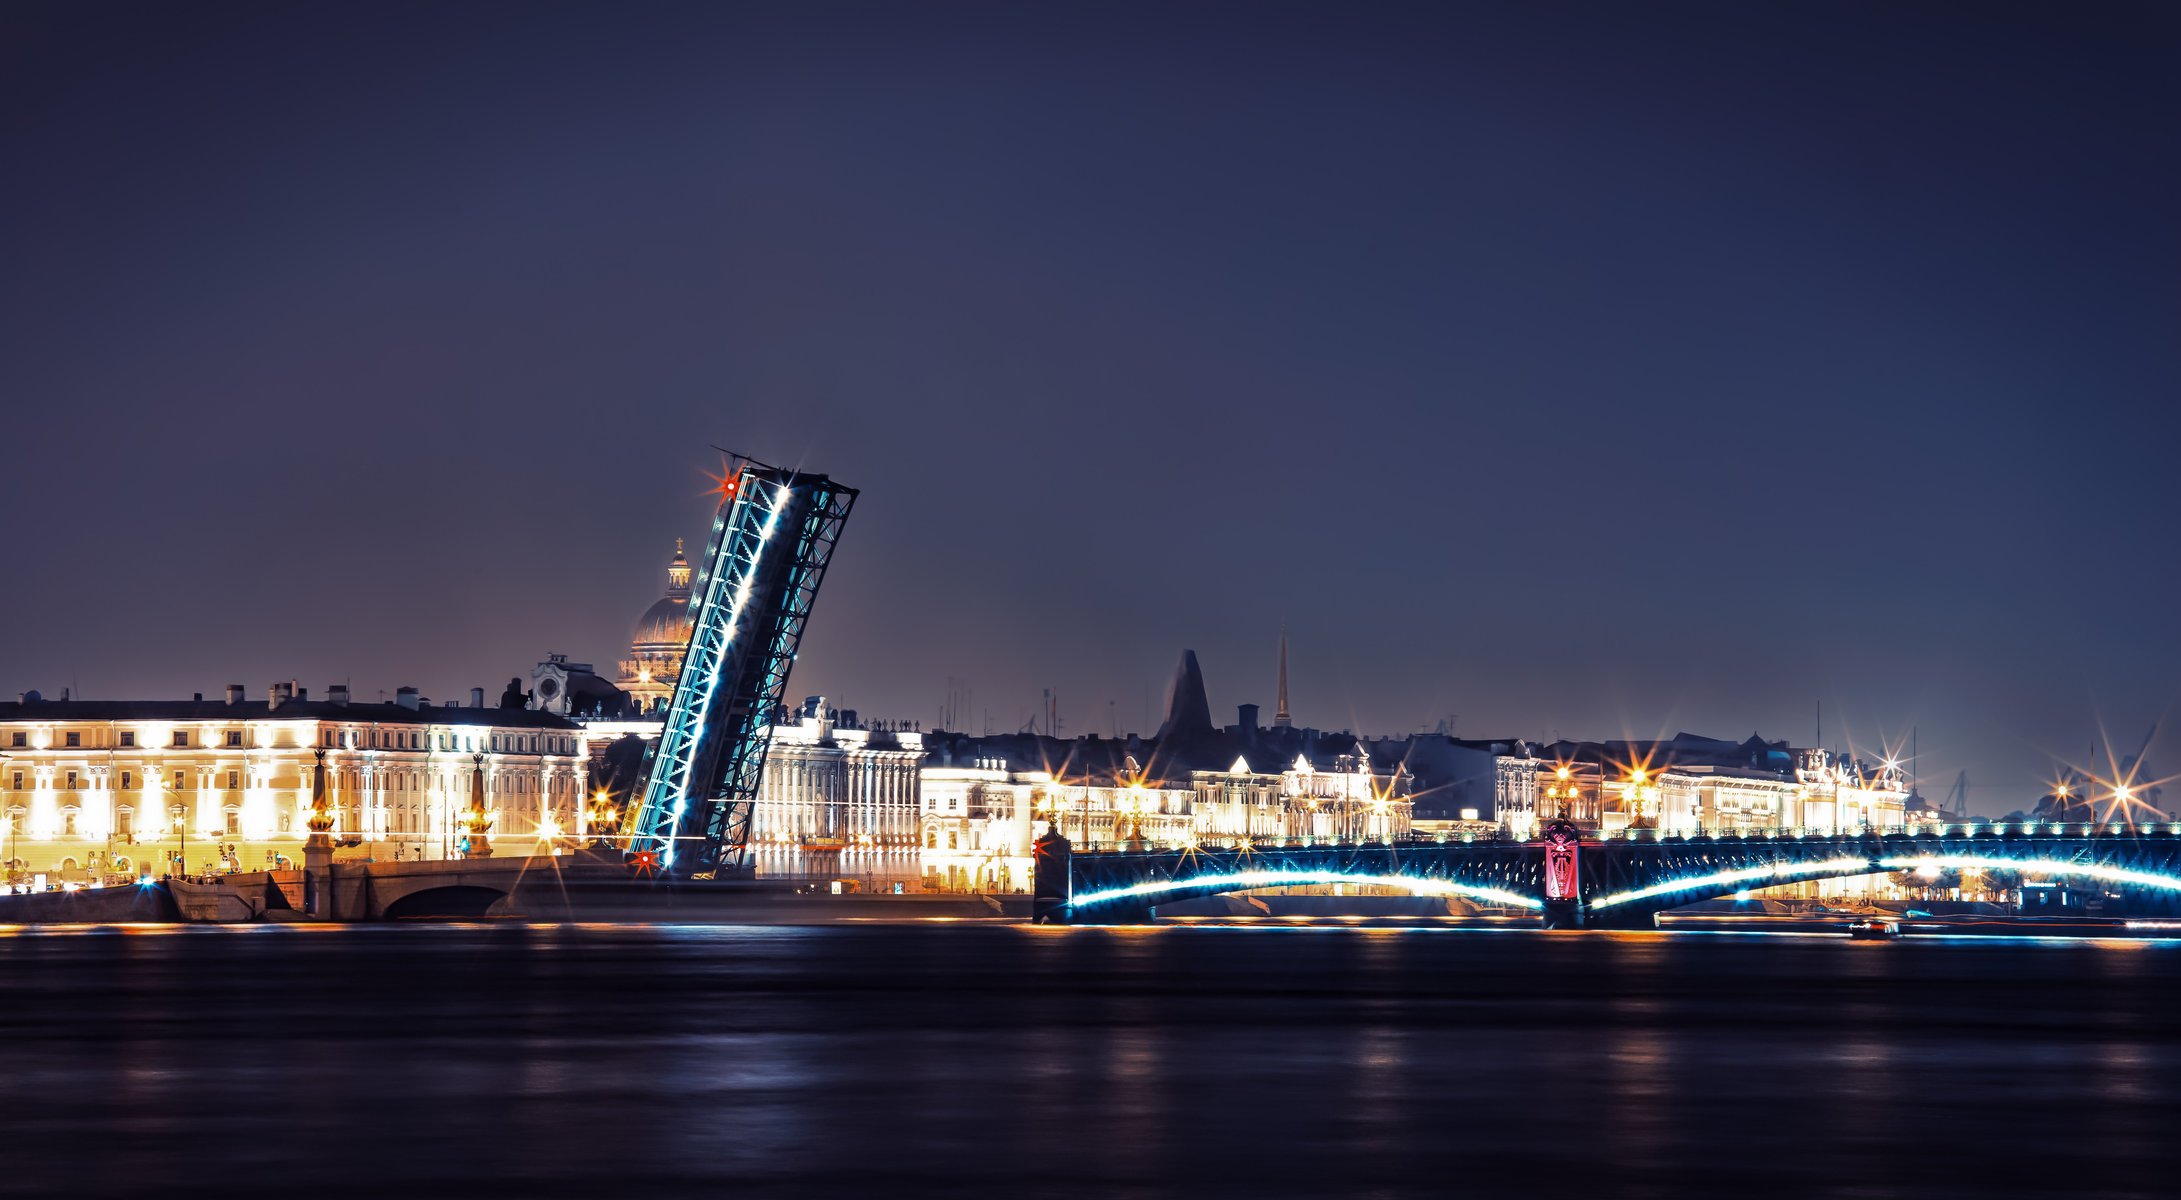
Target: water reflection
1182	1062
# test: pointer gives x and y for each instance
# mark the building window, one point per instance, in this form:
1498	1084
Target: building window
234	822
234	780
71	781
234	737
18	739
128	737
18	784
74	740
125	823
177	779
128	780
181	737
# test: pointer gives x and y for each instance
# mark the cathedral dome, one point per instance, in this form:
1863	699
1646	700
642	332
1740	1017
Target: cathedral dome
665	623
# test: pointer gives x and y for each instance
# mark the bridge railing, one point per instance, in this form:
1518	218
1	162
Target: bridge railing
1956	829
1239	842
2056	829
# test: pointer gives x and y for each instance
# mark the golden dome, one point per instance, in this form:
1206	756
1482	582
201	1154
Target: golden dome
666	622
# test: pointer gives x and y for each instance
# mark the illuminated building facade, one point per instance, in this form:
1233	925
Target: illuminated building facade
981	813
838	801
1472	785
985	800
111	789
660	640
1689	784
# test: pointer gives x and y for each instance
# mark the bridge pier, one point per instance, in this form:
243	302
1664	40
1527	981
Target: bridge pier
1051	879
1563	914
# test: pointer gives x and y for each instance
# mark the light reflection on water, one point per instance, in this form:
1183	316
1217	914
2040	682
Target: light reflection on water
1186	1062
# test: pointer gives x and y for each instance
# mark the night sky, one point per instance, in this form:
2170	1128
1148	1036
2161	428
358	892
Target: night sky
1579	370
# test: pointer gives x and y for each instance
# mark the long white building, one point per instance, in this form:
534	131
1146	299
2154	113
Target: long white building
95	790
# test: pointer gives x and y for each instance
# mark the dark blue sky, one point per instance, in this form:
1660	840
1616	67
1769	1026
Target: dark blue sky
1592	370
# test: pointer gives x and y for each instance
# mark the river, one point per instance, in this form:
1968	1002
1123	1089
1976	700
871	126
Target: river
968	1060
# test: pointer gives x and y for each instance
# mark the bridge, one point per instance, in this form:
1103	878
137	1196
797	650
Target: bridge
763	563
1621	880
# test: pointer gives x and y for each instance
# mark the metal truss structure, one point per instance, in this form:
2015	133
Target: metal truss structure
1135	880
1624	881
766	556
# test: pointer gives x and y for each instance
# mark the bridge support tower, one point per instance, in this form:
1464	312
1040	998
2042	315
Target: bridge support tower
1050	884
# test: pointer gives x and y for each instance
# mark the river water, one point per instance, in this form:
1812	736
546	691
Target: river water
980	1060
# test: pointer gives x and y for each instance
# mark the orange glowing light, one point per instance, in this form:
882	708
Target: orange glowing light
725	484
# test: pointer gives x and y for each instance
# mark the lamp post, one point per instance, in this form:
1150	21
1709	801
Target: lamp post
477	822
605	818
318	847
1635	797
181	828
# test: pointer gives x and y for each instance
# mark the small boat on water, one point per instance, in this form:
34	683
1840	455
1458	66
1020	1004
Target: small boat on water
1874	929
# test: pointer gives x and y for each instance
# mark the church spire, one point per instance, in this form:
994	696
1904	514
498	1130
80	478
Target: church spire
677	572
1280	719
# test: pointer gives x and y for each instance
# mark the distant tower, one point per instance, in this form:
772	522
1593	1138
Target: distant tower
1280	719
1188	714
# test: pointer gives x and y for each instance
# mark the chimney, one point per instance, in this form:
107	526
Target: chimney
234	693
279	694
477	697
338	693
197	696
302	693
406	697
1246	717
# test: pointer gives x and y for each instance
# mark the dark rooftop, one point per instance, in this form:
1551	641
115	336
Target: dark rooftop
291	710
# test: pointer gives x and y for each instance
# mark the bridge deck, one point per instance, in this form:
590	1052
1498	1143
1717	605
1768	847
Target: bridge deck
1636	874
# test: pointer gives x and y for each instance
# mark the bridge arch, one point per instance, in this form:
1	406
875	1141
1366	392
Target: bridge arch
1222	882
1676	891
452	902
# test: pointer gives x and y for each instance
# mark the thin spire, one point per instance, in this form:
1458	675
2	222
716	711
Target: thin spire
1280	718
677	573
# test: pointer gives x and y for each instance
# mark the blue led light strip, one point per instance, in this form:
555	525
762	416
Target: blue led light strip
1243	880
763	562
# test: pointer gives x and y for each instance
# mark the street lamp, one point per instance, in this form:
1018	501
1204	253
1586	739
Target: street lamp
605	818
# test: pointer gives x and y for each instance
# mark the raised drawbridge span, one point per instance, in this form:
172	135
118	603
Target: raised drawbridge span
1618	881
763	562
